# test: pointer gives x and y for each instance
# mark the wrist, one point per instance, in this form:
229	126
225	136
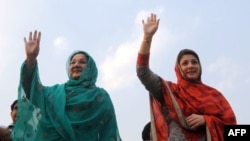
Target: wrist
30	62
147	38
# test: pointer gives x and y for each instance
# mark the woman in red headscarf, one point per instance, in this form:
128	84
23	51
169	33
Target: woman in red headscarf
187	110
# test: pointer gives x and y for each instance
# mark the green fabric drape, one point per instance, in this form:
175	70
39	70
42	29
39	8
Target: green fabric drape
77	110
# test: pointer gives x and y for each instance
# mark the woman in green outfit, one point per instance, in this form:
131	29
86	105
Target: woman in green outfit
77	110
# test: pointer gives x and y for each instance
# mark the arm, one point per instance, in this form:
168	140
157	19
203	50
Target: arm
150	80
32	51
27	73
32	48
149	28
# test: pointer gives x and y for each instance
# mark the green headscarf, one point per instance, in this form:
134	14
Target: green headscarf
77	110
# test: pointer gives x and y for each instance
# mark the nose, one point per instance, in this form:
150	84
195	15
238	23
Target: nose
76	64
189	65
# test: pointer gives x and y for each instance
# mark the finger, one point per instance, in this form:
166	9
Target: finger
189	118
143	22
35	34
196	125
154	17
191	123
148	20
158	21
30	36
25	40
39	37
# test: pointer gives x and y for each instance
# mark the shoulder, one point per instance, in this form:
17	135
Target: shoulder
212	89
53	88
172	85
102	90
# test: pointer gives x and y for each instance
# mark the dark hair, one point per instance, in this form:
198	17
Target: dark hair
13	105
79	52
186	52
146	131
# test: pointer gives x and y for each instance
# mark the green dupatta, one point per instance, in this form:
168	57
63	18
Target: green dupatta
77	110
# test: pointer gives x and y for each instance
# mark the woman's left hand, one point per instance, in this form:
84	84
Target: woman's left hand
195	121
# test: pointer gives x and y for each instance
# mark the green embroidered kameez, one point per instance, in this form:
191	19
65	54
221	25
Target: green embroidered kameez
77	110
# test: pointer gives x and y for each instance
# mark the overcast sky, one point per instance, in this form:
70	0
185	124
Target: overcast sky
111	31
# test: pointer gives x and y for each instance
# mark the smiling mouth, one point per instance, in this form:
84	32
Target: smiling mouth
77	71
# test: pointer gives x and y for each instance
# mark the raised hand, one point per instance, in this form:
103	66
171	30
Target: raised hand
32	47
149	28
151	25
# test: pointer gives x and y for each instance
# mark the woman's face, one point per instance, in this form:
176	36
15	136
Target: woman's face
77	64
190	67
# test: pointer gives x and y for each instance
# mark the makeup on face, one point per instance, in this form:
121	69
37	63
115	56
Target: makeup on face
77	64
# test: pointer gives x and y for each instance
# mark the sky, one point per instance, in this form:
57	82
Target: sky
111	32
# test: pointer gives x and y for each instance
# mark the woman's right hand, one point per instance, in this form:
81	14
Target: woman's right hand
32	47
150	26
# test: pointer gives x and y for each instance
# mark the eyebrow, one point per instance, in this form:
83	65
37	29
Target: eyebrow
80	59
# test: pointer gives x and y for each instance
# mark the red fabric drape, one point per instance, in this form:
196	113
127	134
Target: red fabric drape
196	98
193	98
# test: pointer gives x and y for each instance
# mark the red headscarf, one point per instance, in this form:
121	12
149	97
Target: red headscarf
193	98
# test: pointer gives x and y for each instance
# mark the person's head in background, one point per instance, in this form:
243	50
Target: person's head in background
13	111
146	132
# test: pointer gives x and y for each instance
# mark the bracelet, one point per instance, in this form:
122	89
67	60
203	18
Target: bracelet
146	41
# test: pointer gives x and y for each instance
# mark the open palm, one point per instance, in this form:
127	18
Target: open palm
151	25
32	46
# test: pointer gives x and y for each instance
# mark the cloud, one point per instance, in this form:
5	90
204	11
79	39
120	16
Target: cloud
142	15
3	7
223	67
118	69
2	37
2	53
197	21
248	80
163	37
61	44
2	63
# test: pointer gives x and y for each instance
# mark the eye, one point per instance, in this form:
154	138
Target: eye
194	62
184	63
83	62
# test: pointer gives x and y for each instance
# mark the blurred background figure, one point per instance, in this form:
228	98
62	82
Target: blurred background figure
146	133
5	131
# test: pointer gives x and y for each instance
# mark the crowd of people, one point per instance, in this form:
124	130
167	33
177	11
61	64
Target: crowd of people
78	109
